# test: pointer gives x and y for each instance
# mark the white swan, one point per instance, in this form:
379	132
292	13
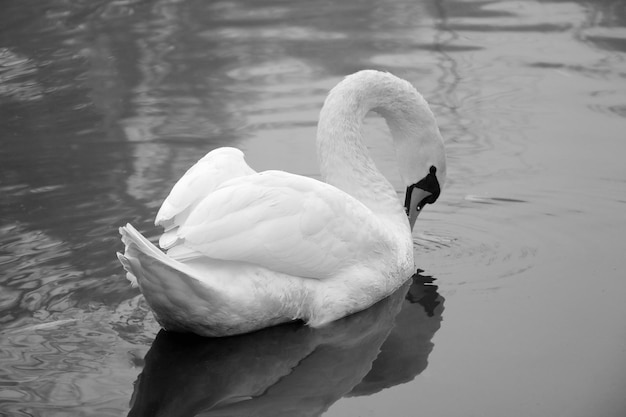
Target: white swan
248	250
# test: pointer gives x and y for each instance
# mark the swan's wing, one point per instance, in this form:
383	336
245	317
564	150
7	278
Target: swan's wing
283	222
200	180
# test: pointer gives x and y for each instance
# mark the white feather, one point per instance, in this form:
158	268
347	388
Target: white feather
200	180
286	223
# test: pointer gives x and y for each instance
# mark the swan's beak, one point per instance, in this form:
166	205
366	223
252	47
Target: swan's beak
425	191
414	202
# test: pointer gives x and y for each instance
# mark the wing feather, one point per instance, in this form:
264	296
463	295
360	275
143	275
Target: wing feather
200	180
284	222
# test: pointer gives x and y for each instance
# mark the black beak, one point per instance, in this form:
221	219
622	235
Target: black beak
426	191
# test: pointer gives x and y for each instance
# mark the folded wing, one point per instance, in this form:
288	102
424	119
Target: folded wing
284	222
200	180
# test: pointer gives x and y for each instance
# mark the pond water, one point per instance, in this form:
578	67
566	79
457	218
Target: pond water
519	308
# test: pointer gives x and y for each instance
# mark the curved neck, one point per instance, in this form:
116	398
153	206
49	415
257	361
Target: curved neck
344	159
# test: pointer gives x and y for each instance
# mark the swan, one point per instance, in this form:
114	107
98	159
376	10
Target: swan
248	250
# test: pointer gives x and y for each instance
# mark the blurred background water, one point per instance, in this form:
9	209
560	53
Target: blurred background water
104	104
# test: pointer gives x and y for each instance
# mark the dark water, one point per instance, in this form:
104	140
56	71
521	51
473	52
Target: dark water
104	104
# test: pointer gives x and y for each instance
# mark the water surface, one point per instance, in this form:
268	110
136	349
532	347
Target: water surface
104	104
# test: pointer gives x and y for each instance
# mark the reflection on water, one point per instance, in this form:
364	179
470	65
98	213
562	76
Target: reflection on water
104	104
292	370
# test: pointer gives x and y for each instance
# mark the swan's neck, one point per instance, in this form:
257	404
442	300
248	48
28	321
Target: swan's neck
344	159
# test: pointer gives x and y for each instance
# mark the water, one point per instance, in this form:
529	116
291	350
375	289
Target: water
104	104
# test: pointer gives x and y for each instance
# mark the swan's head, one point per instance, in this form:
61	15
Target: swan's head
422	166
425	191
418	143
419	146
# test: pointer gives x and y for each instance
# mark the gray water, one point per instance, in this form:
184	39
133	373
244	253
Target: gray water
519	308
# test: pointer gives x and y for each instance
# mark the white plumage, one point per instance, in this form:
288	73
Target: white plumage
198	182
248	250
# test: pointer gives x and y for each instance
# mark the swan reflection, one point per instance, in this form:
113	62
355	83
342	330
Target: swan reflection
292	369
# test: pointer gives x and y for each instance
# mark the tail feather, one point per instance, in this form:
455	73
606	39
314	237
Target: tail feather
131	237
136	246
141	256
180	297
129	270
